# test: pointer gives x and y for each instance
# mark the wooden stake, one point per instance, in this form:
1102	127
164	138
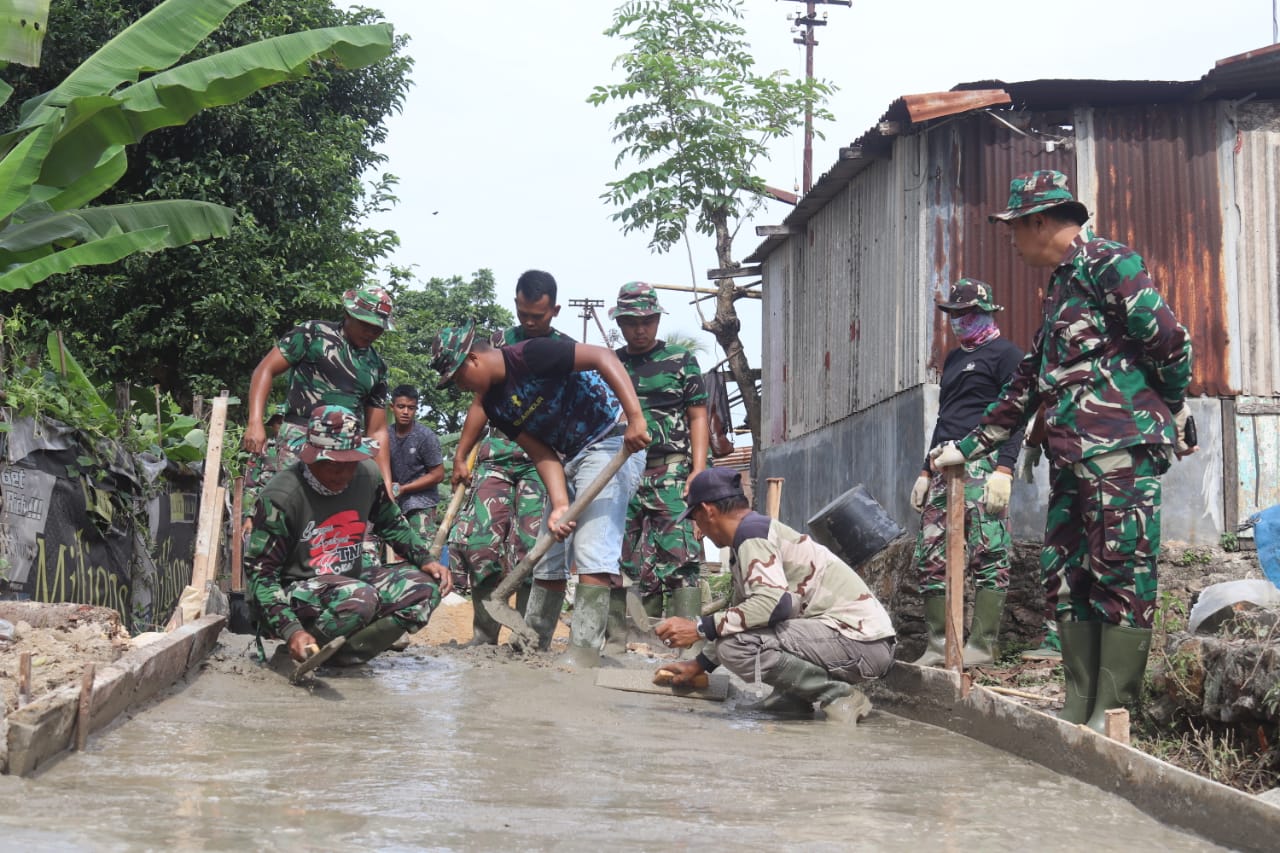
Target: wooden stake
237	541
1116	725
953	656
24	678
773	496
210	518
85	711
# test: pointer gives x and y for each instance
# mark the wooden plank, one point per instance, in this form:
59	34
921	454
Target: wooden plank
210	508
734	272
773	496
777	231
952	655
641	681
84	708
219	530
237	540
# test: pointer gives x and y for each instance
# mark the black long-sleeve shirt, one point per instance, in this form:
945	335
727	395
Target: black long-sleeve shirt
971	381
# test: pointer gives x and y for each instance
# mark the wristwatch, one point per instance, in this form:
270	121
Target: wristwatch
395	490
697	624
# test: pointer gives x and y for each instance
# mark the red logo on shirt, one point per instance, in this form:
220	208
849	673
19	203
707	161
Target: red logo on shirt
335	542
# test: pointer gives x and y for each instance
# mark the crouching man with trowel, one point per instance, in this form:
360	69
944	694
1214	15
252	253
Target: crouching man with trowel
573	409
303	561
798	615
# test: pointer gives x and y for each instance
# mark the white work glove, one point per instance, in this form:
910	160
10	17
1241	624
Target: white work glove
919	493
1031	455
1180	430
945	456
995	494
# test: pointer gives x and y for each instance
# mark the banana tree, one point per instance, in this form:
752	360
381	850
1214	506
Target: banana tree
22	26
70	143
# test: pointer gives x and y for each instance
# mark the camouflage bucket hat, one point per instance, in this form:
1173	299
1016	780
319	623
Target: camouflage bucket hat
970	293
449	349
1036	192
370	305
333	434
636	299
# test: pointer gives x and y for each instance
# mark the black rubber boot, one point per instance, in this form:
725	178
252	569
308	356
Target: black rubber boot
484	628
983	646
1080	647
368	642
542	613
1122	661
935	615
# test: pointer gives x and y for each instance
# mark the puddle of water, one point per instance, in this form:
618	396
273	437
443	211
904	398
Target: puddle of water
459	751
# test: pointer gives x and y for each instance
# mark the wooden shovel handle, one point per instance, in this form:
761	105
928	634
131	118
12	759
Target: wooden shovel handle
451	512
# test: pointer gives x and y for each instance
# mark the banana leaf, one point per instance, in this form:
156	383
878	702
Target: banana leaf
105	251
185	222
66	366
21	166
95	124
22	29
153	42
110	168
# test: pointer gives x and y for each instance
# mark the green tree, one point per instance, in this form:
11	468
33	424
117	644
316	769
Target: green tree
699	122
289	160
419	315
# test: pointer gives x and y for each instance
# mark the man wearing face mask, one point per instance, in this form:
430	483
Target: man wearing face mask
972	377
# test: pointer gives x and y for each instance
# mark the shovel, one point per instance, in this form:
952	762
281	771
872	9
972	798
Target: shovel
496	603
451	512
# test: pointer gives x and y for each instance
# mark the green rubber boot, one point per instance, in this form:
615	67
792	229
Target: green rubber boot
1122	661
1080	647
542	613
798	683
590	618
484	628
983	646
615	632
686	602
935	618
1050	647
368	642
653	604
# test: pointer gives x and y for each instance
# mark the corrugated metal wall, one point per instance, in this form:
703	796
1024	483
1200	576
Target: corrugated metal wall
777	286
1158	192
1255	200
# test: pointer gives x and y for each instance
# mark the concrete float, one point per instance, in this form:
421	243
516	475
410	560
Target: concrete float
1167	793
34	733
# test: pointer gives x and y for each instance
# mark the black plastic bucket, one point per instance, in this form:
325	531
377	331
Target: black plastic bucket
854	526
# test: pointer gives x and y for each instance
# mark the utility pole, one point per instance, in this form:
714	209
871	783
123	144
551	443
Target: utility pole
808	20
588	307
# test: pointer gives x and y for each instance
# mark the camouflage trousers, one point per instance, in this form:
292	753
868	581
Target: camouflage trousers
339	605
657	553
986	534
1102	537
500	522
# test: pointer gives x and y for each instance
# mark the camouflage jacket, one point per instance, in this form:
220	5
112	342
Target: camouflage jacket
326	369
497	450
668	381
780	574
299	533
1110	361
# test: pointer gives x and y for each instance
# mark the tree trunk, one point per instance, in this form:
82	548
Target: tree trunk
726	325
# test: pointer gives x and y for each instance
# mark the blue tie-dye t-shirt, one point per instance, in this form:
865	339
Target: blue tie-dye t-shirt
544	396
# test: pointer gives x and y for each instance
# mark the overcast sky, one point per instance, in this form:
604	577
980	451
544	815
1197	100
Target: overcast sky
502	162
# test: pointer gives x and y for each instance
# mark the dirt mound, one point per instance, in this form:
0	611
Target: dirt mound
61	638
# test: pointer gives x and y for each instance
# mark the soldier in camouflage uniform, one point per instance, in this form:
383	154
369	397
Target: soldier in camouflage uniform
972	376
499	523
261	468
329	363
307	582
1112	364
660	554
798	616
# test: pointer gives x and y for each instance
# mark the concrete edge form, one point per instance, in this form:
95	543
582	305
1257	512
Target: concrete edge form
46	727
1170	794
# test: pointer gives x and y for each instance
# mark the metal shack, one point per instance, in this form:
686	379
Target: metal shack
1187	173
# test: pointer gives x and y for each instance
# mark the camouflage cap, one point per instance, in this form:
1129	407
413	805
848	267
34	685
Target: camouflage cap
970	293
1036	192
370	305
279	410
636	299
449	349
333	434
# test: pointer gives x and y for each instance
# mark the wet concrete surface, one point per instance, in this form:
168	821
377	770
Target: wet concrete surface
447	749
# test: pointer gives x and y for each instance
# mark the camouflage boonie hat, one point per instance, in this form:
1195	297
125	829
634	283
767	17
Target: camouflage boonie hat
1037	192
333	433
970	293
371	305
636	299
449	349
279	410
